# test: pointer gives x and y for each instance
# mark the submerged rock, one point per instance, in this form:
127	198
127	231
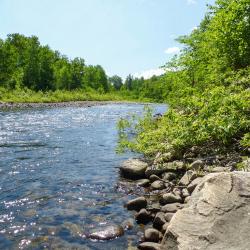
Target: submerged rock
133	169
150	246
128	224
137	204
106	233
216	216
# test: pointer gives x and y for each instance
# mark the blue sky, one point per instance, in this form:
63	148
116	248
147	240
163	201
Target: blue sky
124	36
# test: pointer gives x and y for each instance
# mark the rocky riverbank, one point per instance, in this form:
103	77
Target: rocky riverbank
190	205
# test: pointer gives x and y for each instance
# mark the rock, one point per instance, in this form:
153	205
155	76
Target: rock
106	233
187	199
133	169
171	208
185	192
193	184
169	216
143	183
128	224
137	204
143	217
154	177
216	216
174	166
170	198
198	164
152	235
158	185
177	191
161	158
154	208
187	178
165	227
220	169
159	169
154	170
159	220
150	246
169	176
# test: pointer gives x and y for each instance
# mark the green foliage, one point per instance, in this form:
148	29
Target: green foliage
26	95
25	63
207	86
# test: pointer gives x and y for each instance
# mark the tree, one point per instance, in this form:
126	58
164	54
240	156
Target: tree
116	82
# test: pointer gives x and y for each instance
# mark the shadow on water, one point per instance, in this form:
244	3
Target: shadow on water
58	170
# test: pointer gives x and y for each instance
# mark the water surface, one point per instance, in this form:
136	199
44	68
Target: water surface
58	172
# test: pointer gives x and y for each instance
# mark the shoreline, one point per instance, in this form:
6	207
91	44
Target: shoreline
25	105
166	192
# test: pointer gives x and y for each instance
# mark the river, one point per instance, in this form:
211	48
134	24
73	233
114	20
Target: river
58	173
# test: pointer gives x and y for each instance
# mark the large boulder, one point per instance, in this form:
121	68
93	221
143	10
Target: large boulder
133	169
215	217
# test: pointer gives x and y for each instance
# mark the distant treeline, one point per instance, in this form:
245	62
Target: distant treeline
25	63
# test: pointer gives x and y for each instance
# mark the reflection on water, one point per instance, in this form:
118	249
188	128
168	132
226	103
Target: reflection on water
58	171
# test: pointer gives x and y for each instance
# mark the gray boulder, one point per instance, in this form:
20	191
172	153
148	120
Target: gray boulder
150	246
169	216
170	198
171	208
198	164
187	178
137	204
193	184
143	183
106	233
143	217
152	235
154	177
215	217
159	220
169	176
158	185
133	169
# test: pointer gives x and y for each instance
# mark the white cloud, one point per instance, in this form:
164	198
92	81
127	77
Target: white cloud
191	2
173	50
194	28
149	73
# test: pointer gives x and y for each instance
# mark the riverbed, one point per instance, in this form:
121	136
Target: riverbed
58	176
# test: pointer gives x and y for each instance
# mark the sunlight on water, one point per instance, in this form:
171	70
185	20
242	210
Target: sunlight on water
58	170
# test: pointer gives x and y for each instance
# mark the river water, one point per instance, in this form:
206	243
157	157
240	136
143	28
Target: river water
58	173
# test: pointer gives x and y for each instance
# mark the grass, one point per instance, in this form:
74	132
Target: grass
29	96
